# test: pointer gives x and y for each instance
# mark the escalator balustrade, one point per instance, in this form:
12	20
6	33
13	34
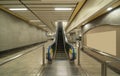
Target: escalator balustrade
71	52
61	49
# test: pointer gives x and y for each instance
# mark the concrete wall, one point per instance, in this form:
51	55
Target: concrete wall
89	9
106	26
111	18
16	33
104	41
105	38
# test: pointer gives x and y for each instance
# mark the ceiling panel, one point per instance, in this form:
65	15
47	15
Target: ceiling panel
39	6
44	9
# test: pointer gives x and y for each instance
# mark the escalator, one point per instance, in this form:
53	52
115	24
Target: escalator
61	68
59	54
60	49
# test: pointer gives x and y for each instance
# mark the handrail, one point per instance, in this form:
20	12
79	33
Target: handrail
33	13
64	41
19	55
109	60
50	55
56	39
115	66
104	53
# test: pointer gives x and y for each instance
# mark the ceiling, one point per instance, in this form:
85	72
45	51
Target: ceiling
91	10
47	16
44	9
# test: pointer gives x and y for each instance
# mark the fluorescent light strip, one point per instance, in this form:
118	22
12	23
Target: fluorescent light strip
34	20
109	9
18	9
63	9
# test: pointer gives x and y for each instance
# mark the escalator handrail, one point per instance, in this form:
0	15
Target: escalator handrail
64	41
48	54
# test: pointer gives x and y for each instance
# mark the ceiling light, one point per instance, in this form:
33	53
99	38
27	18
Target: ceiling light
65	23
34	20
18	9
66	9
109	9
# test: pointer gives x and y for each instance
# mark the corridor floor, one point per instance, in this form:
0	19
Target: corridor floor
61	68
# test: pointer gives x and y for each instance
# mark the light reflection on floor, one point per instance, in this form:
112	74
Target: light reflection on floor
61	68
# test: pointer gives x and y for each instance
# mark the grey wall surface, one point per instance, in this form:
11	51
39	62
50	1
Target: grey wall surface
107	22
16	33
111	18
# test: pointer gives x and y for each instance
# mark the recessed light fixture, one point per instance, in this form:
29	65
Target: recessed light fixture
64	22
34	20
63	9
83	23
18	9
109	9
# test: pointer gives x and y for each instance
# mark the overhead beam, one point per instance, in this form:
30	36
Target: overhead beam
3	3
101	12
34	14
75	12
98	13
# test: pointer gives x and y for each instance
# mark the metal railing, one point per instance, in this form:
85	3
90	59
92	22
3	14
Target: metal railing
25	53
43	55
106	60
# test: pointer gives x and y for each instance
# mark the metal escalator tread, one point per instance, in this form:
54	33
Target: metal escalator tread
61	68
61	56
